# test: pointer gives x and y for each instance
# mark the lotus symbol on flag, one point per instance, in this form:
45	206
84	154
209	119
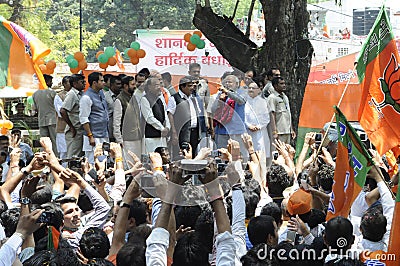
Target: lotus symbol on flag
390	85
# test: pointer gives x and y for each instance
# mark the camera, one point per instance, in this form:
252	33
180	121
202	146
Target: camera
185	146
215	153
106	146
46	217
221	165
194	168
145	159
36	143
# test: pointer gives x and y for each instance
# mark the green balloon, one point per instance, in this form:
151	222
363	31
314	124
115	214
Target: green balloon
201	44
103	58
195	39
109	52
125	55
30	100
73	63
69	58
135	46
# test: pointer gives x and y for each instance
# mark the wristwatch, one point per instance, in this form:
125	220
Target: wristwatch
25	200
124	205
24	171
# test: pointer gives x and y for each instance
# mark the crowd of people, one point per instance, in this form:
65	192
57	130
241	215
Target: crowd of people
133	171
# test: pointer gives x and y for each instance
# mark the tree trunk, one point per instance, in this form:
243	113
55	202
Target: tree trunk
286	46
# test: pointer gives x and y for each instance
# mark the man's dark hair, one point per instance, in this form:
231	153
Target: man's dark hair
251	200
65	79
138	211
253	258
53	258
204	229
75	78
94	76
194	65
270	71
166	76
278	180
16	131
345	262
47	77
373	224
113	79
42	195
145	71
9	220
190	251
272	209
94	243
84	202
107	77
125	80
139	233
325	177
339	233
276	80
259	228
187	215
132	253
140	75
4	137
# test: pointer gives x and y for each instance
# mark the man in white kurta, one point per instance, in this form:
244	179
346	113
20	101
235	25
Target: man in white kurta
257	119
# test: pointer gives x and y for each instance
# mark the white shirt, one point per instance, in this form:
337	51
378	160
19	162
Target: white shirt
193	114
148	115
58	104
117	121
157	244
256	112
8	252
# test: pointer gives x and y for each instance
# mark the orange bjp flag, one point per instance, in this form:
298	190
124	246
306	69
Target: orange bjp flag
379	75
352	165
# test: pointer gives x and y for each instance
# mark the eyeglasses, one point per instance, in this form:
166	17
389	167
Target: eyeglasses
253	88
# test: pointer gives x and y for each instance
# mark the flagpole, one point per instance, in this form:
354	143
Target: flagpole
333	116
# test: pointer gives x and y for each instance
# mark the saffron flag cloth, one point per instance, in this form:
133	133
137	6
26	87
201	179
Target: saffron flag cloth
379	74
394	240
53	238
19	50
352	165
120	60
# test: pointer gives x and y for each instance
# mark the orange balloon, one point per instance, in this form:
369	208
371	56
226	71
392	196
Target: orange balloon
134	60
82	64
141	53
74	70
99	53
43	68
51	65
4	131
79	56
187	36
40	61
132	53
191	47
8	124
103	65
197	32
112	61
